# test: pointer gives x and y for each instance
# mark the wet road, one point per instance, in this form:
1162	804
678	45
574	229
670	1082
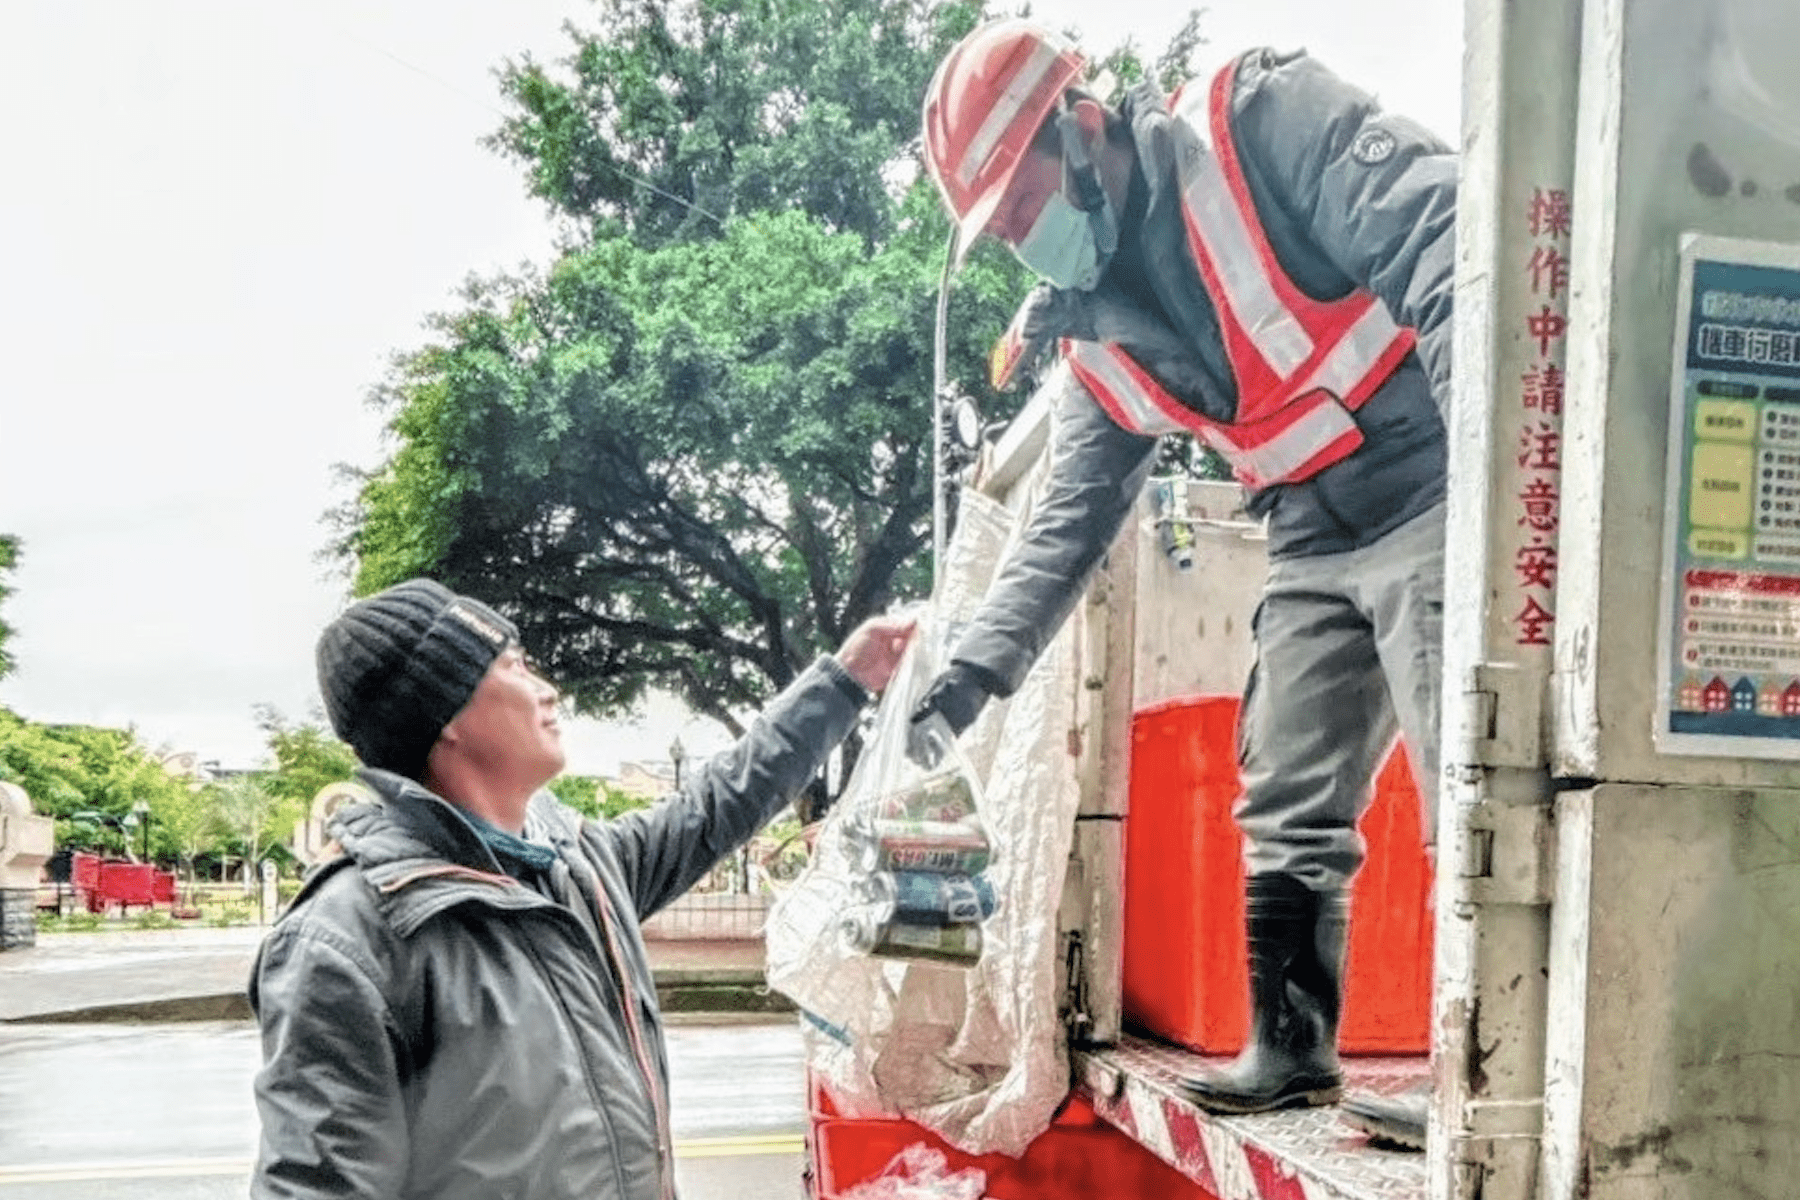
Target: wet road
155	1112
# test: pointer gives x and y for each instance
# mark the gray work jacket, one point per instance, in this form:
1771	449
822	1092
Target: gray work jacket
1337	217
432	1027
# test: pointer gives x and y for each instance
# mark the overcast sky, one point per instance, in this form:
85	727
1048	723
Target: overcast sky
218	219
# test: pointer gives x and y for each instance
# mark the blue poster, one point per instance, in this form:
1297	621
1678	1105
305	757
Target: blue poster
1730	655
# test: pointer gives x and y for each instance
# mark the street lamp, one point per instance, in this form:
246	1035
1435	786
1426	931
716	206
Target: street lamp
141	810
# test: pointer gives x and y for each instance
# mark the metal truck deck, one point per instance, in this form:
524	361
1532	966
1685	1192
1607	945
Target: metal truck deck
1300	1154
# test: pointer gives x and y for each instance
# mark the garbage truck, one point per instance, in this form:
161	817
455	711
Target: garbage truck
1599	973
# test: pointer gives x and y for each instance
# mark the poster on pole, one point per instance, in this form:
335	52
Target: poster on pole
1729	658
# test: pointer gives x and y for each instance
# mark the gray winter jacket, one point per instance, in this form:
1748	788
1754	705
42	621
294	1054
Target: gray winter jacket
1335	222
433	1027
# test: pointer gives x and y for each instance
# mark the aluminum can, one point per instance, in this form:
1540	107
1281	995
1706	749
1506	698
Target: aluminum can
867	932
945	796
922	898
942	847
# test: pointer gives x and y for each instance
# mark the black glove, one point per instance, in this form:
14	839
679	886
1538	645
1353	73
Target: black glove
951	704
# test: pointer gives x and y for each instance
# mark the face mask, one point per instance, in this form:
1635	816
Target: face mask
1061	246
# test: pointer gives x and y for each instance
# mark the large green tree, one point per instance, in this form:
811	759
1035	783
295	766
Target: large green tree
696	450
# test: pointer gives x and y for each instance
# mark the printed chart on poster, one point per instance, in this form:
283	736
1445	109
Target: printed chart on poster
1730	636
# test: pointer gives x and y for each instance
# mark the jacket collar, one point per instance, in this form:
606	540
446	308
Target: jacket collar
421	855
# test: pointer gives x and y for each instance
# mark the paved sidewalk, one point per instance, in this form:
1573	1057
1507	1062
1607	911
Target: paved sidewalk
195	974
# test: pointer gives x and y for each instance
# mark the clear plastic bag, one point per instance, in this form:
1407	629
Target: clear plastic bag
921	1172
974	1051
894	870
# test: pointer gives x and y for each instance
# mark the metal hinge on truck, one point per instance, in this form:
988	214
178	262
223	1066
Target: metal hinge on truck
1506	858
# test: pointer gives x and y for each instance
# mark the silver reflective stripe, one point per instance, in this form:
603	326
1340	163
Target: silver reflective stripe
1356	352
1142	414
1248	291
1289	450
1005	111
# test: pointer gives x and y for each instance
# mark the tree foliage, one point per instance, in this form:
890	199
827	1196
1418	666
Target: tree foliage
673	116
88	779
307	757
91	779
253	815
593	797
694	452
9	562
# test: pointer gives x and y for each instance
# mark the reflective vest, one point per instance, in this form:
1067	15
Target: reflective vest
1302	365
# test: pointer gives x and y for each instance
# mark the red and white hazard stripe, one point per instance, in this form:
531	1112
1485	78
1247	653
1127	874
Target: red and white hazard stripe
1292	1155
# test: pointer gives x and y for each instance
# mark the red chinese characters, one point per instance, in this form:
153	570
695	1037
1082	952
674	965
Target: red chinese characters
1549	213
1544	389
1546	325
1540	448
1549	269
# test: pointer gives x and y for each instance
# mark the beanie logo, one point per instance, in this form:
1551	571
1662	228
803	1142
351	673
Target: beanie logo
465	612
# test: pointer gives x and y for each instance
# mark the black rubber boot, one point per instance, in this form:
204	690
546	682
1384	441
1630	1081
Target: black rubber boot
1393	1121
1296	969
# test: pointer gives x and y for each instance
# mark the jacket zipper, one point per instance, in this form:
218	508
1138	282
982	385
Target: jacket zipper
639	1045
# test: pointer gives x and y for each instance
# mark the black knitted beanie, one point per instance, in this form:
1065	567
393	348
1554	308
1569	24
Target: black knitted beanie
397	667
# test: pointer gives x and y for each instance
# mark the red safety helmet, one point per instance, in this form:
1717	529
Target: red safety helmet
990	96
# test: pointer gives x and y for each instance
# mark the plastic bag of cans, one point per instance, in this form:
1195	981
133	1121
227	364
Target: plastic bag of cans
918	852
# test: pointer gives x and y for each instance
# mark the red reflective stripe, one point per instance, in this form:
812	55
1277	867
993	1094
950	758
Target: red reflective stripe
1133	399
1301	438
1324	455
1221	229
1354	362
1105	399
1225	148
1248	366
1314	315
1302	366
1302	434
1385	364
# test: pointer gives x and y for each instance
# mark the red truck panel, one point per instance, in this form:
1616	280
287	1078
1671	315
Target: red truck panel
1185	975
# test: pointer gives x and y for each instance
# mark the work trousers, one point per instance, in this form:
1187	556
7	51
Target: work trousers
1349	651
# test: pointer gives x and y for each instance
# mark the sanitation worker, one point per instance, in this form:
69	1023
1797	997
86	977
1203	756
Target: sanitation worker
1263	261
459	1004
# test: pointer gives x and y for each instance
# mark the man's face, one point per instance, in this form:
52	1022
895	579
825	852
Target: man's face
1032	184
508	728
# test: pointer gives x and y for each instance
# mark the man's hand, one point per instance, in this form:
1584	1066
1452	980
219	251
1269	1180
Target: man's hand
950	706
873	650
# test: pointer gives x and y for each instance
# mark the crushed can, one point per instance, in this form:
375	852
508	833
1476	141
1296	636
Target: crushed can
945	796
941	847
922	898
871	931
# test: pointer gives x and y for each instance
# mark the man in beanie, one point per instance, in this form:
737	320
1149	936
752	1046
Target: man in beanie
459	1004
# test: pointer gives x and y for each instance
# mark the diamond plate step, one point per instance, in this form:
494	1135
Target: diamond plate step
1300	1154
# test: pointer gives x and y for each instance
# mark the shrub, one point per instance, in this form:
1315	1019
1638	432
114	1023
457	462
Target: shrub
81	922
228	915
